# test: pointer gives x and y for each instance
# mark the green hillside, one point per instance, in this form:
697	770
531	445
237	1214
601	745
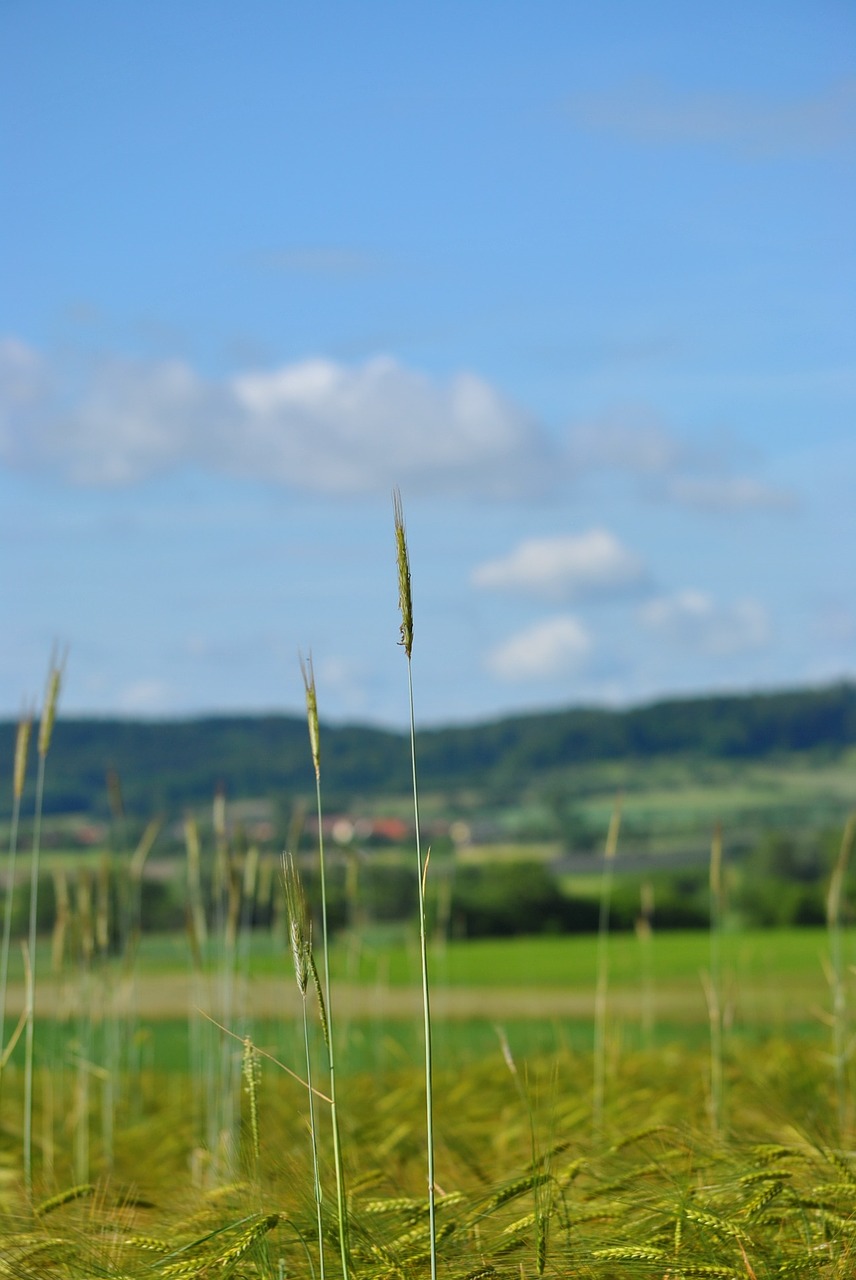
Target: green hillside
179	763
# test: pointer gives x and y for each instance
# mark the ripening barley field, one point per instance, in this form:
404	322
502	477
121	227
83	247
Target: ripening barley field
163	1145
273	1102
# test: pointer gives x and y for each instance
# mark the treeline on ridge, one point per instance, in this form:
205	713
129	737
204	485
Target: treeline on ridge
165	764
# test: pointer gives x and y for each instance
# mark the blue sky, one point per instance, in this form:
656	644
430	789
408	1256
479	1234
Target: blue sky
579	279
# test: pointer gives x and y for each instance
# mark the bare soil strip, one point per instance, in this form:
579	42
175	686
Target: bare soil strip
175	995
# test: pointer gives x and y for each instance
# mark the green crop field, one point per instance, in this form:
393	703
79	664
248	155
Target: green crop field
258	1095
153	1157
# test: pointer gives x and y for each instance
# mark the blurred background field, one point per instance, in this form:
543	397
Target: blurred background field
685	982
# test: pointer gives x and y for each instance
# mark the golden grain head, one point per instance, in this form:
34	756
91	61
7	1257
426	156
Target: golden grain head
836	883
52	693
405	597
308	673
191	842
144	848
22	746
218	814
250	1074
614	829
298	922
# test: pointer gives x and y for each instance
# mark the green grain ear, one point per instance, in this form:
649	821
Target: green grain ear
405	598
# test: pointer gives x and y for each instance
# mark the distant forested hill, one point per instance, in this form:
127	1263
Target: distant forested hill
178	763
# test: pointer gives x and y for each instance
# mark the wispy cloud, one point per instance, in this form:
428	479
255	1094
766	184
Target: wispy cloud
556	646
728	493
326	427
626	441
670	468
317	426
563	567
692	620
145	698
652	113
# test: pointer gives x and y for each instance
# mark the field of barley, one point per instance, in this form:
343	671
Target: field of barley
282	1102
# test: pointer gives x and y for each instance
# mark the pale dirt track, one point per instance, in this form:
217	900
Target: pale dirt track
174	995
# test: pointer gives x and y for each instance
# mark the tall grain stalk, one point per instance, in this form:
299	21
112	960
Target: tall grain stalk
46	725
227	911
133	933
540	1177
308	673
602	988
837	976
405	603
22	744
645	935
713	986
304	966
197	933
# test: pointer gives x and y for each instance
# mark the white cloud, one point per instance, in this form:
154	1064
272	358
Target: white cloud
554	647
652	113
693	620
562	567
330	428
315	425
344	430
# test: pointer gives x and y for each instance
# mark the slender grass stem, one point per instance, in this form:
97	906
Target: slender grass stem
22	742
316	1175
315	743
539	1166
304	966
645	934
422	870
714	986
838	979
46	724
29	1038
602	987
405	600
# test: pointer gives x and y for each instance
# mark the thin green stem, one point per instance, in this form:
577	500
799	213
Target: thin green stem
714	995
341	1203
602	988
316	1176
7	915
22	743
31	988
426	1007
308	674
837	977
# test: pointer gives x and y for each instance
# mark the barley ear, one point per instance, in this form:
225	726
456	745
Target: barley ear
716	867
250	1073
46	723
308	673
319	995
405	598
614	829
836	883
22	746
298	924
